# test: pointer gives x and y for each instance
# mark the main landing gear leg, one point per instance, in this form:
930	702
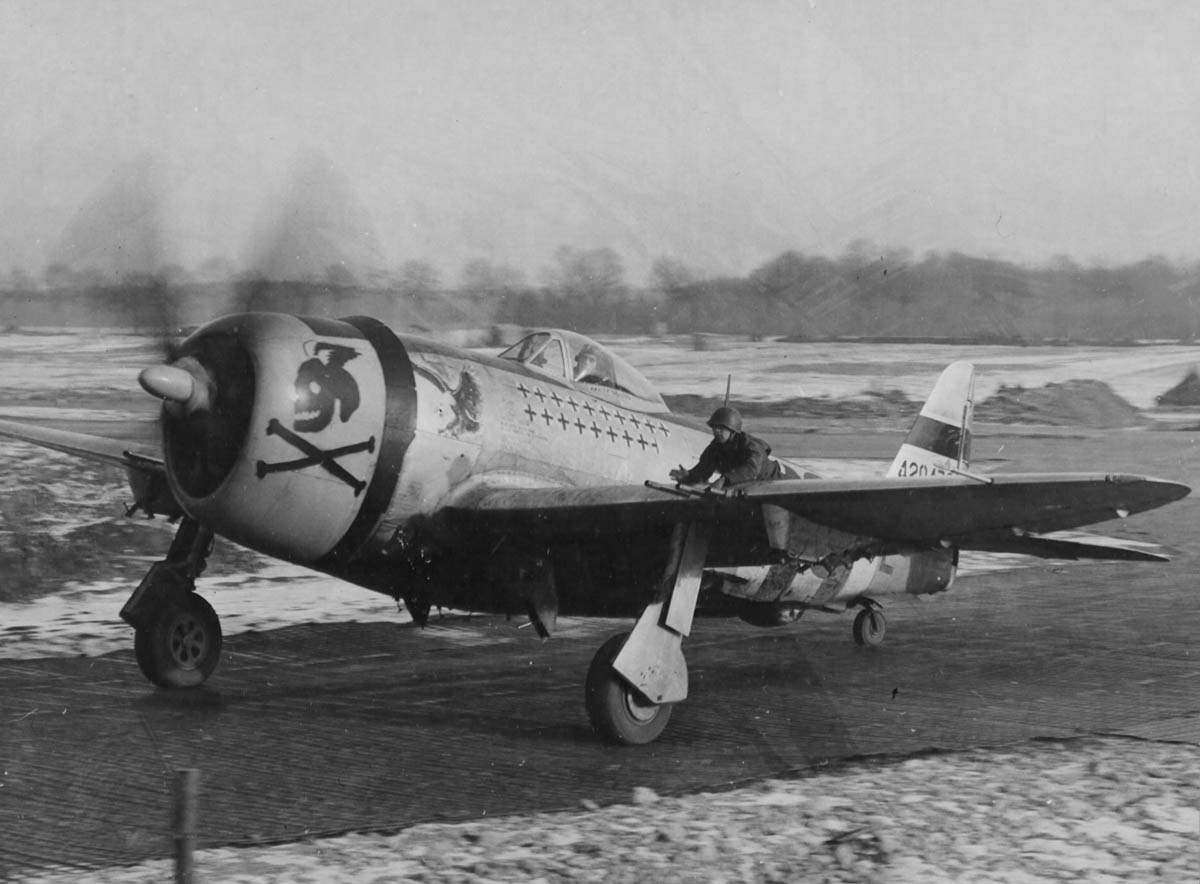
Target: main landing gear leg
177	636
635	678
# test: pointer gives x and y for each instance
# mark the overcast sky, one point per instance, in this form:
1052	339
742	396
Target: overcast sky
716	133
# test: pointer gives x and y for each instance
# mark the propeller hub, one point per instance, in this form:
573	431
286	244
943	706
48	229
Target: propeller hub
167	382
184	383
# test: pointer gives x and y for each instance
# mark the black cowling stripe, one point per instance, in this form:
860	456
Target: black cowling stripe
398	430
939	437
330	328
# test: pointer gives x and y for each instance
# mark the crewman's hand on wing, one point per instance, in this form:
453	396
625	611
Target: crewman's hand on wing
679	474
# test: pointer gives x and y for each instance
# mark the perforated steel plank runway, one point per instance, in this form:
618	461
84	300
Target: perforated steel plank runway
321	729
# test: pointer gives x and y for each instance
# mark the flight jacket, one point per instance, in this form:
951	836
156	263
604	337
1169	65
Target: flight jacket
744	458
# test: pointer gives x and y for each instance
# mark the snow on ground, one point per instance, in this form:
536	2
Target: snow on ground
51	363
44	412
762	371
84	621
1096	810
772	370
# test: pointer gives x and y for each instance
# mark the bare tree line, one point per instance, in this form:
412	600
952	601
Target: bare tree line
866	292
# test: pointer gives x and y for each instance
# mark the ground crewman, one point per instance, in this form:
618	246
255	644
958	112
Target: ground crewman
737	456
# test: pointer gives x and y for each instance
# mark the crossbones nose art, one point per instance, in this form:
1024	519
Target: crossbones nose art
315	417
324	390
317	436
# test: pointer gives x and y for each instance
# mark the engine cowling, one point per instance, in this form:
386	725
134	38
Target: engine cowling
292	432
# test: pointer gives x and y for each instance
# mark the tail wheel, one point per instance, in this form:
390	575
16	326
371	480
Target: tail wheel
870	627
617	710
181	647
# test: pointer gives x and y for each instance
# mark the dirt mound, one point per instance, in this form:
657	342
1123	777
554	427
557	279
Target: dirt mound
1186	392
892	404
1072	403
1079	403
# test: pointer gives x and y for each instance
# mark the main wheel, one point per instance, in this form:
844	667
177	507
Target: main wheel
870	627
618	711
181	647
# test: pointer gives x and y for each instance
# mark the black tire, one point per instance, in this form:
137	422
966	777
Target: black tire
870	627
182	646
617	710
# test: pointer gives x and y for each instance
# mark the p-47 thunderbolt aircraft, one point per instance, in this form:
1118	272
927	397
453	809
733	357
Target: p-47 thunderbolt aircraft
532	481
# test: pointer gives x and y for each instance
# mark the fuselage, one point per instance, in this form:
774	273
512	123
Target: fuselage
336	444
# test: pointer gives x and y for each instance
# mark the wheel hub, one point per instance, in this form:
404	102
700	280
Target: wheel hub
189	642
640	709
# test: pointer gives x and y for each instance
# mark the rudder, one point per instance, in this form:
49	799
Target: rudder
940	439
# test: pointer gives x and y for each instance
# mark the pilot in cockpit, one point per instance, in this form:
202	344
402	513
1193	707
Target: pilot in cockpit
585	367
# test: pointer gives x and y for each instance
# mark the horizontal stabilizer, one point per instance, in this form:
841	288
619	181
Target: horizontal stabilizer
1072	548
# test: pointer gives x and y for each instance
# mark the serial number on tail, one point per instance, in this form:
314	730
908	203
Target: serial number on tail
911	469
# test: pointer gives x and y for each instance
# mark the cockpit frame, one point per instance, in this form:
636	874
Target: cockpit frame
586	364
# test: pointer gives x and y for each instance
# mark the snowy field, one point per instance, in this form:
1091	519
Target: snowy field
761	371
68	364
83	620
1100	811
770	371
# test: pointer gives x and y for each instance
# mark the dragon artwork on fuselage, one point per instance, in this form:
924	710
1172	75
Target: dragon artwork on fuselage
465	397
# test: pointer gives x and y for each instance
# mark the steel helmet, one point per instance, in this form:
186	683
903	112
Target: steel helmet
726	417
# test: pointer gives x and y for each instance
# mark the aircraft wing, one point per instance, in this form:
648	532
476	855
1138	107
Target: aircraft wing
960	509
89	447
147	473
1009	513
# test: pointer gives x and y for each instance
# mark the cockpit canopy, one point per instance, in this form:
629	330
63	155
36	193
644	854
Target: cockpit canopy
585	364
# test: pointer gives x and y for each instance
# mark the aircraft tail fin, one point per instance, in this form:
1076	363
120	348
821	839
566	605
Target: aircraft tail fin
940	439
